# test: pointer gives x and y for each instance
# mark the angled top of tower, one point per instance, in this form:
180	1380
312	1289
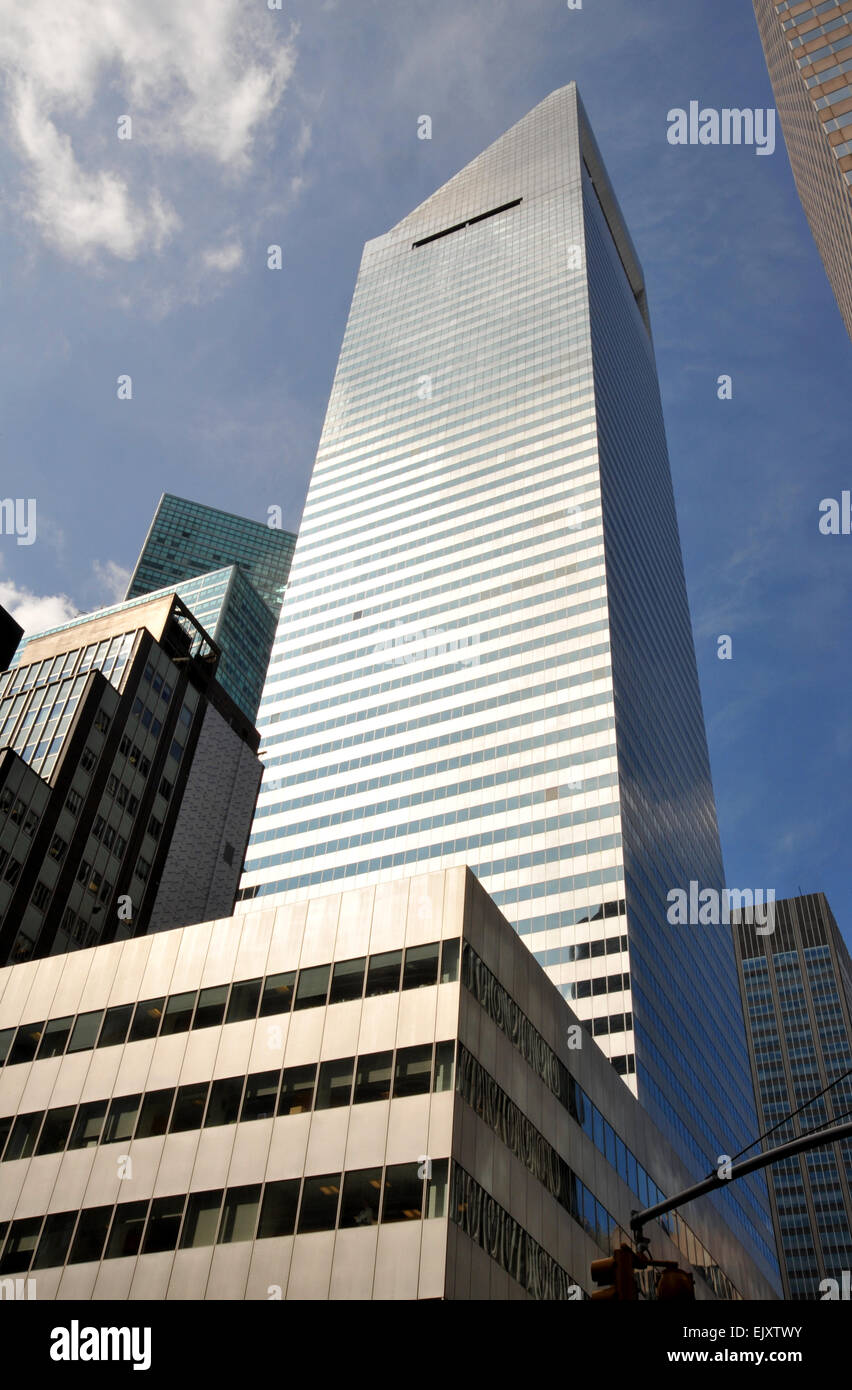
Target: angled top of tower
543	152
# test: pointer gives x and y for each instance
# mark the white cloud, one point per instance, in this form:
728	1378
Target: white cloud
224	258
198	79
112	580
33	612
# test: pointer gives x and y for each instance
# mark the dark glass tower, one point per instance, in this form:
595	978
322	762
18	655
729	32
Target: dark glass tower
187	539
231	573
485	653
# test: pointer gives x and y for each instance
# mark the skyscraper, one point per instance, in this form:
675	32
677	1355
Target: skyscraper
127	781
808	49
797	996
231	572
186	539
485	655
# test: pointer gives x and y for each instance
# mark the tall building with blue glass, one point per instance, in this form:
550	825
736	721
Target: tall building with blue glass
485	654
231	572
797	995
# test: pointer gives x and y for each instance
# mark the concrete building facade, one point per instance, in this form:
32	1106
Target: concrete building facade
375	1094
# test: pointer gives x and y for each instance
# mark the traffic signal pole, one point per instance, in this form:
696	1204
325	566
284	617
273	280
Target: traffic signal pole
814	1140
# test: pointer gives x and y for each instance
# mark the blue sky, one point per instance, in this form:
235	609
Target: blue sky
298	127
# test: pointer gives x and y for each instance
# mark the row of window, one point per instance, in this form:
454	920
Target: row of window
19	812
257	1211
63	666
504	834
385	972
274	690
502	1009
410	1071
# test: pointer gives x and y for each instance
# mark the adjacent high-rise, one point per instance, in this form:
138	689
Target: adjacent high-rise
485	654
797	995
127	781
231	572
808	49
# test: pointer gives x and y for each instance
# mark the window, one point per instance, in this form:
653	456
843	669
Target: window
421	966
335	1083
55	1240
163	1224
88	1125
224	1104
132	808
413	1076
23	1137
13	869
312	987
403	1193
41	896
373	1077
91	1234
125	1236
211	1007
88	758
166	788
243	1002
359	1205
146	1020
116	1023
57	849
121	794
155	828
436	1189
31	820
121	1119
54	1037
85	1031
383	973
450	961
178	1013
6	1036
16	815
189	1107
112	784
239	1214
297	1090
261	1096
26	1043
73	801
202	1219
176	750
277	996
55	1130
278	1213
318	1211
154	1113
444	1054
347	980
20	1243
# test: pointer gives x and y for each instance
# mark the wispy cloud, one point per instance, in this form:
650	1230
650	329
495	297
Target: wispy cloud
197	81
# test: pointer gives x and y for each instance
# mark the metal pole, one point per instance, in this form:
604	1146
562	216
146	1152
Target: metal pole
814	1140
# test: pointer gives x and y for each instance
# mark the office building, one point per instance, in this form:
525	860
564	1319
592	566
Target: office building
808	48
797	996
10	635
127	781
375	1094
187	539
231	573
485	655
234	615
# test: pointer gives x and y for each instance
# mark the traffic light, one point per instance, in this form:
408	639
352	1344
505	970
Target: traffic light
616	1274
674	1285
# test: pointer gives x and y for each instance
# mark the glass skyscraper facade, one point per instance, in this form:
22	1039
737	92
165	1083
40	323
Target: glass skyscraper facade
808	48
188	539
232	612
485	653
797	994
